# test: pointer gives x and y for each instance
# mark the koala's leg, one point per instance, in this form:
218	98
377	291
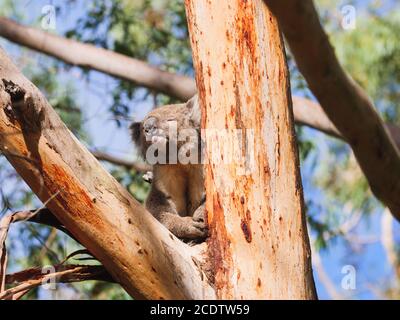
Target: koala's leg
165	212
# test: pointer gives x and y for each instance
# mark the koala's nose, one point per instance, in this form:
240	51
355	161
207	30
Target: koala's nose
149	125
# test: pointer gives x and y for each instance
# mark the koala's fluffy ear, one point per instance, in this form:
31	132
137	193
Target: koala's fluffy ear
195	113
135	131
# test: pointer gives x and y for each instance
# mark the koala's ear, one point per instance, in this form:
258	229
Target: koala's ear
135	131
195	113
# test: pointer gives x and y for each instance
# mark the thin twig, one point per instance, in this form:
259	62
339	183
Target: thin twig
34	277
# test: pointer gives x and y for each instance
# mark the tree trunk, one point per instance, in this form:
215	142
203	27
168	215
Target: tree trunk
259	247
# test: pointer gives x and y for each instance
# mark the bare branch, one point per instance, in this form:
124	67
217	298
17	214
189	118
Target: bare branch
91	57
311	114
345	103
45	217
34	277
103	156
5	223
80	272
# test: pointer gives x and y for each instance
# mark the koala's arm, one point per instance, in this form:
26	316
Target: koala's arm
189	228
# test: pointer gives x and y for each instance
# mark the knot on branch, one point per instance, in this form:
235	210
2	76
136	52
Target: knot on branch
16	92
22	107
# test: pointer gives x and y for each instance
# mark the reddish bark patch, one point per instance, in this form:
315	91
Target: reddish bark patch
247	35
246	230
202	93
57	180
218	247
209	71
228	36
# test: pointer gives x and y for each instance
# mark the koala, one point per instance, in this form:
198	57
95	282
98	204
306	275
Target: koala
169	139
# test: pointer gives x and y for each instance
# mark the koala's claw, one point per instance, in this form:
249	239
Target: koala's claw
195	229
199	218
199	214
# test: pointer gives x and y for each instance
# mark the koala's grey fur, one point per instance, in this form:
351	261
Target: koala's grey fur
177	192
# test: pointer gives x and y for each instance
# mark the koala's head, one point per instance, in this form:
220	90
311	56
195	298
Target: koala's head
171	126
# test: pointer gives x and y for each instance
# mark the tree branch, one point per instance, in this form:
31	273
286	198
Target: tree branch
132	245
34	277
345	103
311	114
140	167
45	217
80	273
5	223
91	57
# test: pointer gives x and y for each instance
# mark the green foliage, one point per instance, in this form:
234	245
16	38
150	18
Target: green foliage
371	54
153	31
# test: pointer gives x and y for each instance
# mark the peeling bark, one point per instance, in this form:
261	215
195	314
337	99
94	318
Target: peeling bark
258	247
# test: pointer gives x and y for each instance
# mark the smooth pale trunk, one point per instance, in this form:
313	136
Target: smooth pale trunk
259	247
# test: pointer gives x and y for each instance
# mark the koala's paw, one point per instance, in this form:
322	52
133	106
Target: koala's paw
186	228
192	229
